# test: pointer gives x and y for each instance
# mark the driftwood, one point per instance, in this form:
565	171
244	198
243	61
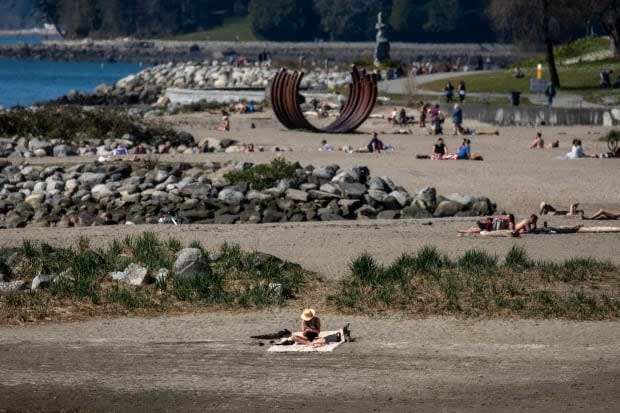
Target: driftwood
598	230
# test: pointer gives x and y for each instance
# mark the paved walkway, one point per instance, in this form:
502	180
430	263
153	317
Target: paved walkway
415	83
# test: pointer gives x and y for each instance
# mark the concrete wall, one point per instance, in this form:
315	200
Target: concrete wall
533	115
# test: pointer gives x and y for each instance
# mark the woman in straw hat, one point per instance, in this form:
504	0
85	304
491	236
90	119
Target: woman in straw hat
310	329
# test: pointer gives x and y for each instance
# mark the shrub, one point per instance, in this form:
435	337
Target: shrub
517	258
263	176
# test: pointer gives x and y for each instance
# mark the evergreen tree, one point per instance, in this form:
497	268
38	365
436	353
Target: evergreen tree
283	19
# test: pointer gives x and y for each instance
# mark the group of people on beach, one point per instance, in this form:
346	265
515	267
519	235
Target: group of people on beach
576	152
507	221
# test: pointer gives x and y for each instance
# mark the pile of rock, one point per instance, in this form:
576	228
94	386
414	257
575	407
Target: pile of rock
140	192
184	143
147	86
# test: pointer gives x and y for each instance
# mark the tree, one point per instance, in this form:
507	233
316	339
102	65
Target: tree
351	20
51	11
283	19
605	13
529	21
407	18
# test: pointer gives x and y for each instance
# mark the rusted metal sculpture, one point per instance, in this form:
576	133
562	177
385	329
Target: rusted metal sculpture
286	100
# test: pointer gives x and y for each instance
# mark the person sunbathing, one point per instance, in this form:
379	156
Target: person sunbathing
546	209
538	142
224	125
602	214
494	223
527	225
310	330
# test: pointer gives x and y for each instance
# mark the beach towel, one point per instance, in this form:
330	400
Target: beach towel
330	336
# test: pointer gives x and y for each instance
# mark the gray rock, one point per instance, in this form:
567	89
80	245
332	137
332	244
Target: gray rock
346	175
329	188
325	172
296	195
389	214
91	178
11	287
355	190
447	208
100	191
314	194
366	211
378	183
401	197
134	274
464	200
230	196
427	198
377	195
190	263
415	211
63	150
482	206
272	215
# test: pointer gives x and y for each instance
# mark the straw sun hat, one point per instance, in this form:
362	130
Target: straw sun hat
307	314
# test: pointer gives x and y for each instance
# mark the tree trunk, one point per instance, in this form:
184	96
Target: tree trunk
553	71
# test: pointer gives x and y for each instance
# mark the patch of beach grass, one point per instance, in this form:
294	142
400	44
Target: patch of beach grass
474	285
81	285
76	125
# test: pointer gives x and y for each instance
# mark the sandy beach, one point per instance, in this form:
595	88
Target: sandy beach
203	362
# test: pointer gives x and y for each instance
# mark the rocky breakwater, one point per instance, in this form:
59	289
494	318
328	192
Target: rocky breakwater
82	195
149	85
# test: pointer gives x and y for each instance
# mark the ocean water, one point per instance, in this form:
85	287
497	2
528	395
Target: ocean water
24	82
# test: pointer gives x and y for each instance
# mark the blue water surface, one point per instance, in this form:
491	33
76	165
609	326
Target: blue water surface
24	82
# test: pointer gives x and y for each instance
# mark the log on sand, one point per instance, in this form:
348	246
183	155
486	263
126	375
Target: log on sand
599	229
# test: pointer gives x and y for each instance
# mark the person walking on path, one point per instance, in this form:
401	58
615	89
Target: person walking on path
462	91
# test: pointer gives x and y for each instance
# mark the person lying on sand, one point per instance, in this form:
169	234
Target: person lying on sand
494	223
602	214
527	225
310	330
546	209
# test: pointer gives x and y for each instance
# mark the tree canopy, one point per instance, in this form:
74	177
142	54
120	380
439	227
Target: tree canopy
337	20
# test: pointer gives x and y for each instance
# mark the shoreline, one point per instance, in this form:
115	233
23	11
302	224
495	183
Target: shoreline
157	51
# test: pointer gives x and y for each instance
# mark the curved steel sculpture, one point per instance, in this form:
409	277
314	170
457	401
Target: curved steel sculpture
285	99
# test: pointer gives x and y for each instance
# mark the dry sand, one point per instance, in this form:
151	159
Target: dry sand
207	361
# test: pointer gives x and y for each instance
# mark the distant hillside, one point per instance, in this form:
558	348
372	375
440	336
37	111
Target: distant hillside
17	14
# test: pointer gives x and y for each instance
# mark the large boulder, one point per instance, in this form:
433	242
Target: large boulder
191	263
447	208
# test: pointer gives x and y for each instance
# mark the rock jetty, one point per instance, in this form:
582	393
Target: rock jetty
150	84
141	192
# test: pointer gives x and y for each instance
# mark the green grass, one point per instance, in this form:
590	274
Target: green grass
580	79
265	175
475	285
233	28
81	285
